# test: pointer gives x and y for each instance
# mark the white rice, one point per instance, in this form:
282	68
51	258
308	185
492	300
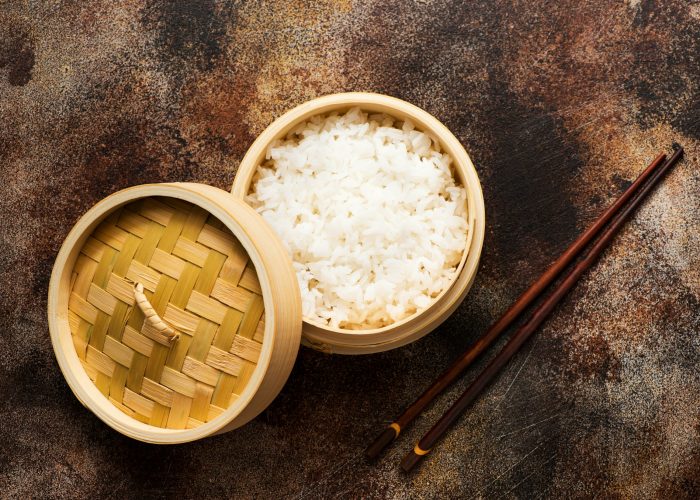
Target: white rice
370	213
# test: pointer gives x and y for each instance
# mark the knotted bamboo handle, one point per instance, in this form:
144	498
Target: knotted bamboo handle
151	315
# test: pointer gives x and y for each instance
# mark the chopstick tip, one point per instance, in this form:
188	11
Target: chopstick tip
382	441
410	461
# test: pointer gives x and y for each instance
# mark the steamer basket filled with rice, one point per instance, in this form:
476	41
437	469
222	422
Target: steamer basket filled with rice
381	211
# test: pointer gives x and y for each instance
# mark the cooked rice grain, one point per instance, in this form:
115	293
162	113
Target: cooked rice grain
370	212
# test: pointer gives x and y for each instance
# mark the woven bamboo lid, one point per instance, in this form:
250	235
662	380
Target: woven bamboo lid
174	312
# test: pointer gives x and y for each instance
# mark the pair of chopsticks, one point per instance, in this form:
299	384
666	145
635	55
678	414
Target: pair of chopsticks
618	213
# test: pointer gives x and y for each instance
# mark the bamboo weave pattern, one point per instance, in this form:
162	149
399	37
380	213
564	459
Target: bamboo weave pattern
199	279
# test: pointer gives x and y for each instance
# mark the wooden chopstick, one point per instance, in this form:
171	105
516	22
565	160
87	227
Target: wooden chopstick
429	440
452	373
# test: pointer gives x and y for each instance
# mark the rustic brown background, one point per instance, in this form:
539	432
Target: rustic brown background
559	103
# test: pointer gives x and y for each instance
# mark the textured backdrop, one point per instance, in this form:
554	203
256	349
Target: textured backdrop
560	104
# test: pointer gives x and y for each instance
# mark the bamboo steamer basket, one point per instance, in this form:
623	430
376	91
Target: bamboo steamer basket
338	340
209	271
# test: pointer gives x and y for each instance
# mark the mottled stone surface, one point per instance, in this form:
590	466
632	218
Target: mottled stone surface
560	105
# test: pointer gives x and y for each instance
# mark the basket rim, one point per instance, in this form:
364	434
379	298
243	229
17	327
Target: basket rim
379	339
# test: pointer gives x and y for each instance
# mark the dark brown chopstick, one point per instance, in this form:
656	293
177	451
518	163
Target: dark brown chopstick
538	316
463	361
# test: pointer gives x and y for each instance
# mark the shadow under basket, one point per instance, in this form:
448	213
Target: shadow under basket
164	318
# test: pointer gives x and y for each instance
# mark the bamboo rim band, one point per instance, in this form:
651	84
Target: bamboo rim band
396	427
151	316
420	451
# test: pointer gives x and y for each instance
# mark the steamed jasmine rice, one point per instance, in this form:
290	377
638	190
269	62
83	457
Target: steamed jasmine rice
370	213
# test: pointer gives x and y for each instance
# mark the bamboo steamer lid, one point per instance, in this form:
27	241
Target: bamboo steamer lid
174	312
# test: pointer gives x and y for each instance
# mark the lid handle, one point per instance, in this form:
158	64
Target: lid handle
152	318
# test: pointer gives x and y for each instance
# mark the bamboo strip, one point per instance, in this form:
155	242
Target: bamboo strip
121	406
172	232
200	402
227	331
99	330
184	286
137	372
179	412
90	370
99	361
167	264
246	349
80	345
202	339
85	268
156	211
102	382
200	371
195	222
118	383
190	251
249	280
156	362
104	268
213	412
137	341
232	295
138	403
74	322
259	331
126	255
118	351
178	352
208	308
157	392
210	270
138	273
224	361
183	321
102	300
111	235
159	417
193	423
219	240
121	289
223	390
178	382
93	249
233	268
133	223
82	308
117	321
251	318
148	243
